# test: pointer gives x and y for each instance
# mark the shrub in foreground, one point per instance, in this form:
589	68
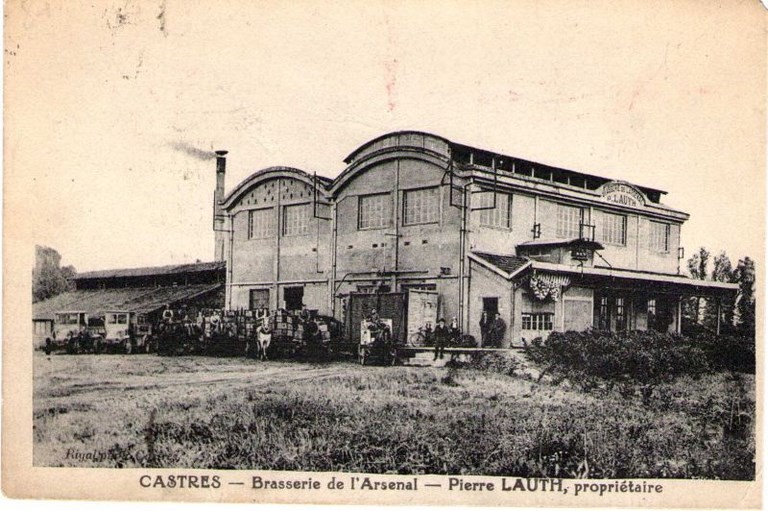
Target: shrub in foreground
728	352
639	357
494	362
443	429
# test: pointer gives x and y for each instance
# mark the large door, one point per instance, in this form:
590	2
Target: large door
387	305
578	314
422	309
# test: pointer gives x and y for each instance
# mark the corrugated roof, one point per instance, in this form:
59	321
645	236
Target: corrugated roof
153	270
506	263
139	299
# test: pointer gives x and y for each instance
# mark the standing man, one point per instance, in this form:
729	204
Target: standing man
372	323
441	335
455	333
496	333
485	326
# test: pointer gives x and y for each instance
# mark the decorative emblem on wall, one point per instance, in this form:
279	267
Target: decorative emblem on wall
546	286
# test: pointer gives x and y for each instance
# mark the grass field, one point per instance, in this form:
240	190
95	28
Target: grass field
144	410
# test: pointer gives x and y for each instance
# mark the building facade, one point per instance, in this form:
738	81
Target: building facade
545	248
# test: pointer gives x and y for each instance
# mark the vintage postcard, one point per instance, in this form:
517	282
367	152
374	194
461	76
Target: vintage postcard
385	253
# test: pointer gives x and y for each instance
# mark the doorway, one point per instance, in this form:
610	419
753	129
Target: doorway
491	305
294	298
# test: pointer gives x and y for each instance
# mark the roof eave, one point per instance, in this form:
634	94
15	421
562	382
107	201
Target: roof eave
636	275
489	265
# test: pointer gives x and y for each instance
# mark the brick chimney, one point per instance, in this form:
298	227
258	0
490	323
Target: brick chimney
219	218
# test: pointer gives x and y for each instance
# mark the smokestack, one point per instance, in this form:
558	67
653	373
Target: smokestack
219	218
221	161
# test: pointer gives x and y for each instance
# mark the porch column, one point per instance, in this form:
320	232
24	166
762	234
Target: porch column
679	315
719	312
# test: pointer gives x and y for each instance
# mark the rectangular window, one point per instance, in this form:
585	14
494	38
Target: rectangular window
620	313
569	219
659	237
651	314
651	307
117	319
537	321
70	319
602	314
498	216
614	229
258	299
261	223
374	211
296	219
421	206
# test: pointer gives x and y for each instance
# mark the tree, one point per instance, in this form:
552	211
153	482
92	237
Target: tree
697	264
745	300
697	267
722	271
48	278
736	314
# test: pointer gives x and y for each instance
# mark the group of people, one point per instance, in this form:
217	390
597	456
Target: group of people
443	335
492	330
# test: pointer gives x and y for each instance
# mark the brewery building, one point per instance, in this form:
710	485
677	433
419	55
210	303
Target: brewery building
421	227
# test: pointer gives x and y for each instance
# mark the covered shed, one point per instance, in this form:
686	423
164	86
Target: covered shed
145	290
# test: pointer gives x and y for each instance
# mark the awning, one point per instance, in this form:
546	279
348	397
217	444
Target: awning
662	282
136	299
515	267
560	242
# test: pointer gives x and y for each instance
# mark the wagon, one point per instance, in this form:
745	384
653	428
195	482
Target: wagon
176	336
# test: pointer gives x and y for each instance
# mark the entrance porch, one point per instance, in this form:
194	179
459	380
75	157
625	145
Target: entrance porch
538	298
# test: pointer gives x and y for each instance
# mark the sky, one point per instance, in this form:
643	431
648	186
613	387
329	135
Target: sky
112	108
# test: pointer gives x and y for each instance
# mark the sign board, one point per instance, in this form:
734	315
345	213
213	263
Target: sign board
623	194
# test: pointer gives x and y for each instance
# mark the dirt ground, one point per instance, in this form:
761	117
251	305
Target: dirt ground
78	398
234	413
63	378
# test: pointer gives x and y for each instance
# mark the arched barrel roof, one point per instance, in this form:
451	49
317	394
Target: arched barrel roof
263	175
412	144
408	138
419	145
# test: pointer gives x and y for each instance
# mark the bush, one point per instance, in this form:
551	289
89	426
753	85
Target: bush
494	362
465	341
728	352
641	357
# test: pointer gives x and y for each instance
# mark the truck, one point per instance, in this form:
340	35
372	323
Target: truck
127	332
76	332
